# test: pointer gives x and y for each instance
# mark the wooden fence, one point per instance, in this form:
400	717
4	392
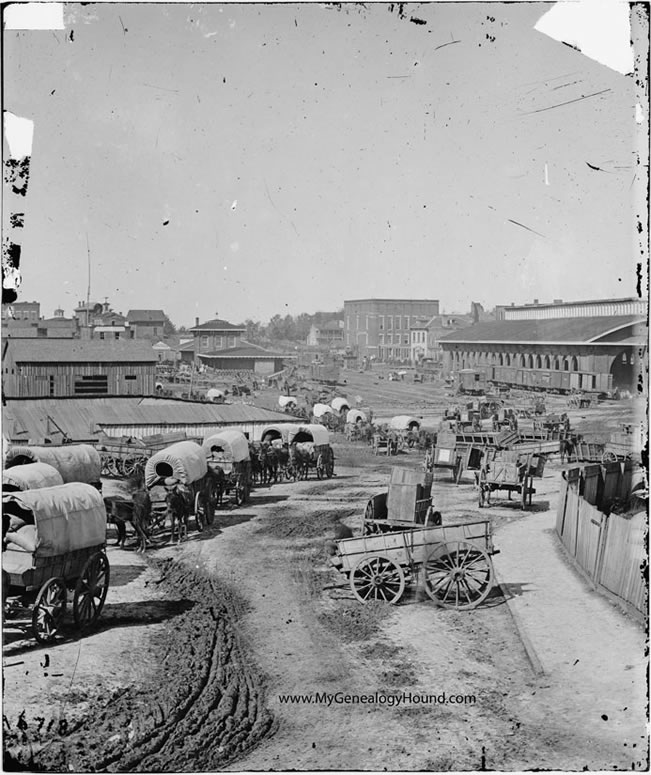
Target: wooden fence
608	547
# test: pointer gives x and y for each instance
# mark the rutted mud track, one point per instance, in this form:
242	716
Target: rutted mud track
206	709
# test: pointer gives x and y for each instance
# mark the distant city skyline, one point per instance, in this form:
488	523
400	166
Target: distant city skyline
280	158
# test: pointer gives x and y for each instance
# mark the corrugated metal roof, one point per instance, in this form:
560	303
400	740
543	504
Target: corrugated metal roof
80	351
83	418
560	330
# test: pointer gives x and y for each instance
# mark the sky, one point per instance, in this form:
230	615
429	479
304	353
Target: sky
245	160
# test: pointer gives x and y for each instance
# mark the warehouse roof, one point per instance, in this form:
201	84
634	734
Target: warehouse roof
217	325
146	316
557	331
245	350
83	418
52	350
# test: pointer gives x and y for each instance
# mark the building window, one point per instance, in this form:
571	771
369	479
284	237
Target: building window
389	322
575	364
566	365
51	385
132	333
204	341
117	334
406	339
101	335
130	376
97	384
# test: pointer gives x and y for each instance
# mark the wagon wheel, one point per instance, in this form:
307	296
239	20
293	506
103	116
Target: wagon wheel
609	457
458	575
376	577
320	467
90	590
371	529
457	471
330	466
111	466
49	610
130	465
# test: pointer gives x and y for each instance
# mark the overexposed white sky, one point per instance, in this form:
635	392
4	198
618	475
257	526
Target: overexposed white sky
253	159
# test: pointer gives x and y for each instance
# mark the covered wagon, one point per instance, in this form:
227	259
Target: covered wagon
31	476
280	431
53	543
184	463
319	410
75	462
309	447
227	455
340	405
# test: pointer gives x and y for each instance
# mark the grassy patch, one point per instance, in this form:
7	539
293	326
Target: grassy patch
354	621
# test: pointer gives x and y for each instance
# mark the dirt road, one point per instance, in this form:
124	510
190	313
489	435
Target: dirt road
201	646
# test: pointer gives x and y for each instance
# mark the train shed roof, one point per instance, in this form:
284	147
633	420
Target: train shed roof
616	329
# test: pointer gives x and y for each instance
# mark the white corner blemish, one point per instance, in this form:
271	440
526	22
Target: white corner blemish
234	205
546	174
34	16
639	114
600	29
19	133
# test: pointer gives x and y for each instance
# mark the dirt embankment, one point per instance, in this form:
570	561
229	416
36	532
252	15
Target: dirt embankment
203	706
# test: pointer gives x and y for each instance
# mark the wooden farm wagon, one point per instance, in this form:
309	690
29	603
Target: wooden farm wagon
510	471
53	544
406	504
454	562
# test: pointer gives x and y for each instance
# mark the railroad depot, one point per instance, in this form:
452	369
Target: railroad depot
561	347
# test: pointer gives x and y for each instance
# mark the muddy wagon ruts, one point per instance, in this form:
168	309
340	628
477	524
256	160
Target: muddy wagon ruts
454	562
185	462
54	544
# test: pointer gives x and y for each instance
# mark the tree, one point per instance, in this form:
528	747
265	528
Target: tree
168	327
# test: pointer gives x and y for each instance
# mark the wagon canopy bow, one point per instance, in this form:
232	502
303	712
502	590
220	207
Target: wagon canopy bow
234	444
75	462
320	409
185	461
31	476
354	415
68	517
316	433
340	403
403	422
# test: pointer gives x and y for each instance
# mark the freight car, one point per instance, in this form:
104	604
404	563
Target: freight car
477	381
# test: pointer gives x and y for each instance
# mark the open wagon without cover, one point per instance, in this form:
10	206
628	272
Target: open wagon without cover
406	504
512	472
453	561
127	456
53	544
227	455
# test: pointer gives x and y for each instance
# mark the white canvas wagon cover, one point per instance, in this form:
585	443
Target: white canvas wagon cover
234	443
313	432
340	403
185	461
75	462
354	415
31	476
67	517
279	431
403	422
320	409
284	401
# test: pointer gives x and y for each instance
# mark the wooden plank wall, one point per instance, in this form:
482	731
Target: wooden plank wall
609	548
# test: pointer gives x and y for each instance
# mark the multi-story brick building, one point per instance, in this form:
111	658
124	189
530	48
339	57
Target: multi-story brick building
380	328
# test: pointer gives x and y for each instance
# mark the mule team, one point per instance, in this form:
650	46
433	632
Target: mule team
271	462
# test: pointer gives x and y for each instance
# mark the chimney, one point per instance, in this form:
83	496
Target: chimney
558	301
196	322
535	301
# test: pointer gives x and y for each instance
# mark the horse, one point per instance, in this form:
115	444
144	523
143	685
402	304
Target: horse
302	456
256	464
137	511
178	509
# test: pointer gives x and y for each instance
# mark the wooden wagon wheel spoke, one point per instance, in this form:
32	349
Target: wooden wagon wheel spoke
90	590
49	610
376	577
458	575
